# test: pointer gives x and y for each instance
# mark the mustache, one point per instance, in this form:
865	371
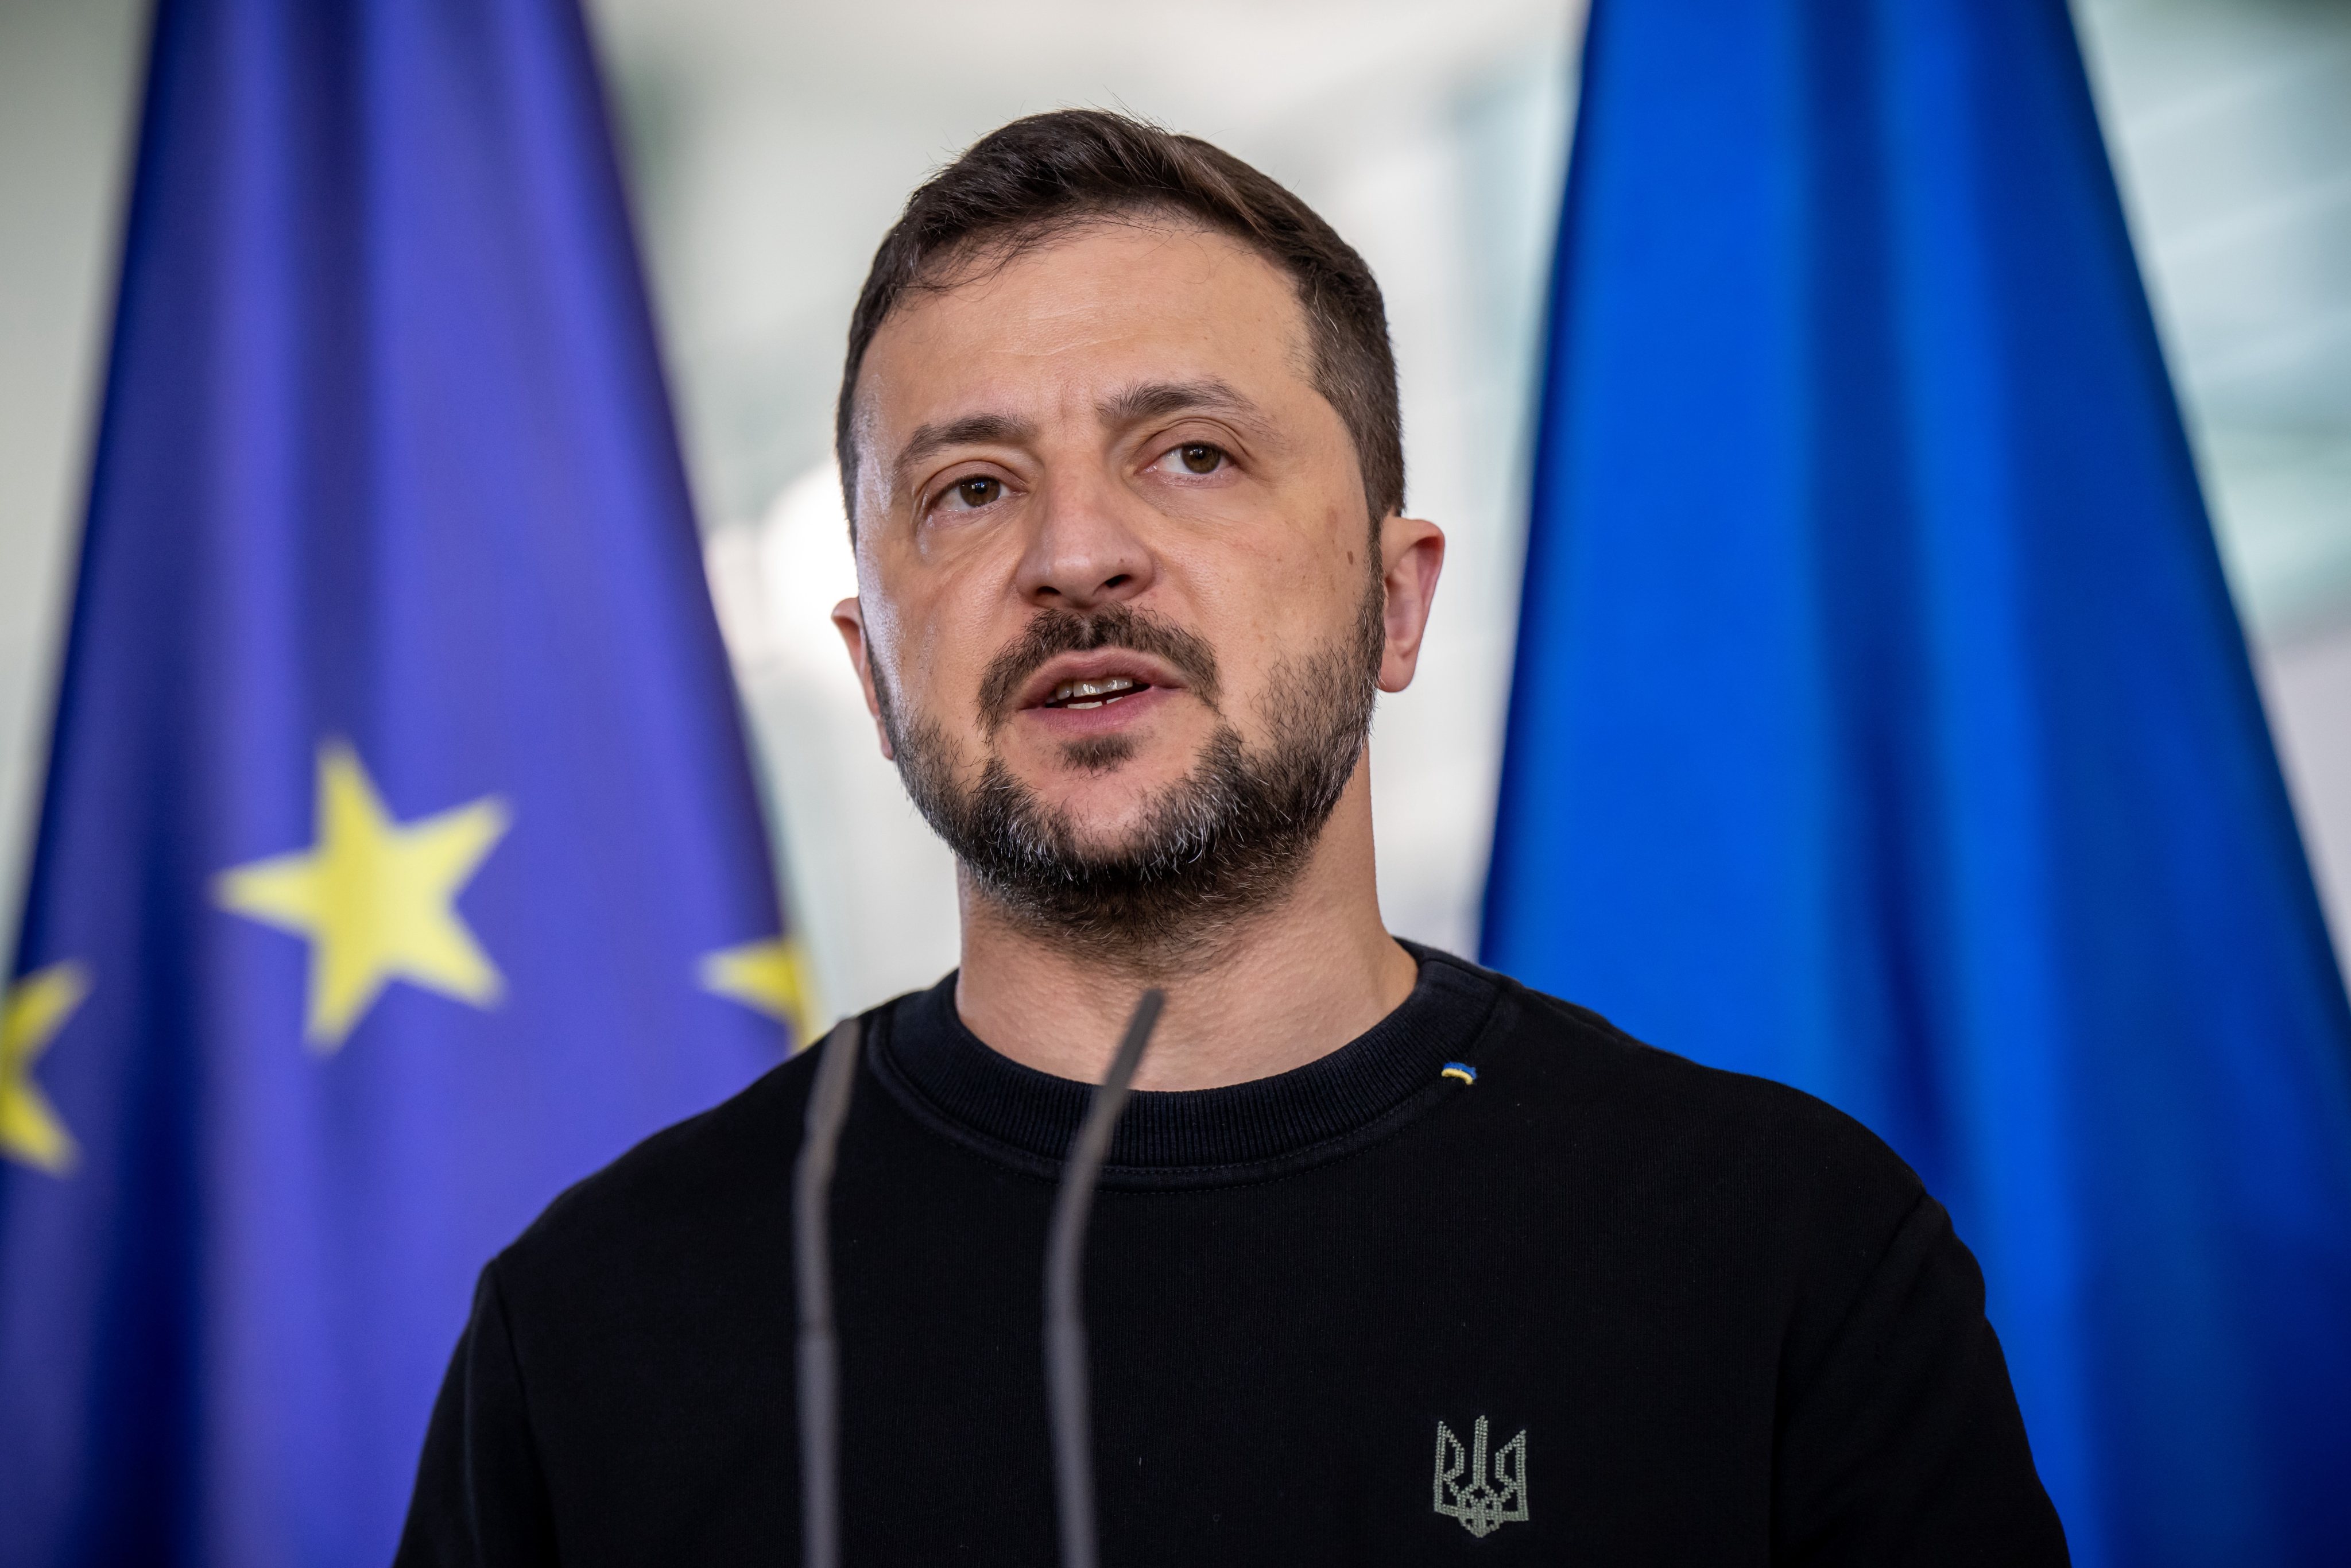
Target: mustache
1058	632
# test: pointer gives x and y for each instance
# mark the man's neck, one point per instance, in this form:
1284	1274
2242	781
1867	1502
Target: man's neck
1291	983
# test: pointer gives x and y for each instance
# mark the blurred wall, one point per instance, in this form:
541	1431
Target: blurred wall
2230	123
67	70
770	143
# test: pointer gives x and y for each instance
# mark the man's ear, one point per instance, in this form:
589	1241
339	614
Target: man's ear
1412	552
848	620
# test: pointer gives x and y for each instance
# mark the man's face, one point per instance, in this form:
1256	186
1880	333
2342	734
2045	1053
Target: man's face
1113	551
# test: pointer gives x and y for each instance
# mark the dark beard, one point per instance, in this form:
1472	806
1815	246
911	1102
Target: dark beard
1228	838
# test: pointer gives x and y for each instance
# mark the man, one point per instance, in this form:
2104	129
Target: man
1396	1261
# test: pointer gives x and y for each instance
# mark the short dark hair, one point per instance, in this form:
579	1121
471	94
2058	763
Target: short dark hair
1041	176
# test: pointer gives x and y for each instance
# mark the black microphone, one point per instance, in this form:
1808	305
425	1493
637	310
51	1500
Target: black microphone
1065	1323
1065	1329
820	1347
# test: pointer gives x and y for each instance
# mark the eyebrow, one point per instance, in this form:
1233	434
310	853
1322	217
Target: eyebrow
1156	399
1151	400
972	429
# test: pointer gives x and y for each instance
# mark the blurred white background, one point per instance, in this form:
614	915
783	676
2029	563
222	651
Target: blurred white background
770	145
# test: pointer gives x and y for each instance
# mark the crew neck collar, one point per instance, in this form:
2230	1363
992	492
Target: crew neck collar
952	1080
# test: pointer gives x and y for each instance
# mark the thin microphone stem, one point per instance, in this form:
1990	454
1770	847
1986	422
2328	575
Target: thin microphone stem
1065	1327
820	1350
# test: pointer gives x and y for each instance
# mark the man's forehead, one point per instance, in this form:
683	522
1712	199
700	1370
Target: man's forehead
1102	321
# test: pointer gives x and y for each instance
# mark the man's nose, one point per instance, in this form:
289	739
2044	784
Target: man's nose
1084	550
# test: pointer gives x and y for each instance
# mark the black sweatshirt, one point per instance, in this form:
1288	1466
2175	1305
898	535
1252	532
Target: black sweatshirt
1600	1305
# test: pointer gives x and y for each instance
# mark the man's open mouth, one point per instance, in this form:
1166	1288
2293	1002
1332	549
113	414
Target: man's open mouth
1096	693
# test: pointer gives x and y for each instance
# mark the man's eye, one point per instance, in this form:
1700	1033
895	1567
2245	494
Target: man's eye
979	490
1199	458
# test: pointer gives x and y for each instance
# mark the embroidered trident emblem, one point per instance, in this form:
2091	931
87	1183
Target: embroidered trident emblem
1486	1500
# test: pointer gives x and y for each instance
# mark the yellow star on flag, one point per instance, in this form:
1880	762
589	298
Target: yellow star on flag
375	898
31	1013
770	975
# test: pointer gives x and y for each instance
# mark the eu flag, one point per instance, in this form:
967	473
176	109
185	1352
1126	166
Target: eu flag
1881	723
398	827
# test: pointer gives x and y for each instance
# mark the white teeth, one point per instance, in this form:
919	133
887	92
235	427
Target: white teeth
1068	694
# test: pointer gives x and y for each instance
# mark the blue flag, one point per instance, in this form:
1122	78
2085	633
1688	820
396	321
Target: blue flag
399	827
1881	725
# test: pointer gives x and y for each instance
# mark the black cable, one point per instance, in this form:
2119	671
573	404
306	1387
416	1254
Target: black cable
1065	1327
819	1349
